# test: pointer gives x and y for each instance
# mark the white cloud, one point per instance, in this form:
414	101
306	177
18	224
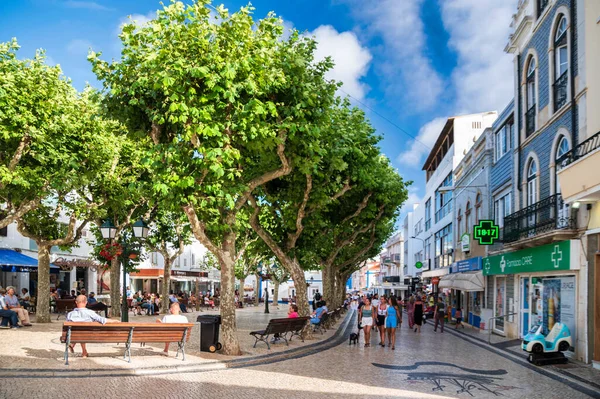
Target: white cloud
350	58
89	5
479	29
403	65
137	19
78	47
426	138
413	198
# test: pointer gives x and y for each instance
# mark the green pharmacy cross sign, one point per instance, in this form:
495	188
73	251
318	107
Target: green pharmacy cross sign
419	265
486	232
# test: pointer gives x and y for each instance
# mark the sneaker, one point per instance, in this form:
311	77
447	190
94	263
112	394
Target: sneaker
5	327
16	326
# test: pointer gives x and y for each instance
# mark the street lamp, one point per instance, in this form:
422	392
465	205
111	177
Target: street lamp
140	231
266	276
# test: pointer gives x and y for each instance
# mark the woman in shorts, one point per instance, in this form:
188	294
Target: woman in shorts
365	315
382	310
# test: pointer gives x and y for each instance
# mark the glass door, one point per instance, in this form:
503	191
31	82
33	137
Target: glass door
500	304
524	298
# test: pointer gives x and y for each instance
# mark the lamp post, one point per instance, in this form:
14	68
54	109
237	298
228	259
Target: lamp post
266	276
140	231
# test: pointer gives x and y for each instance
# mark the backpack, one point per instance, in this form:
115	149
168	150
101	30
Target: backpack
318	296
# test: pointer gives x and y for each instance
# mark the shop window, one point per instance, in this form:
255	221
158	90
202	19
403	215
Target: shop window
4	232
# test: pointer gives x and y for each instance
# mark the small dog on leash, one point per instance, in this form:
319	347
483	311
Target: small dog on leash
354	338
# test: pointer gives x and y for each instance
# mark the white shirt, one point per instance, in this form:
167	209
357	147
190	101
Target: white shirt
375	302
175	318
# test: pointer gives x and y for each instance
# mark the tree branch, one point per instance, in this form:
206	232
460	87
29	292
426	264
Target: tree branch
16	214
293	238
262	233
25	140
360	253
285	169
199	229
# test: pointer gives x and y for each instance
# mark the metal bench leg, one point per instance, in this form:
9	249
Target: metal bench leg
127	354
181	346
67	347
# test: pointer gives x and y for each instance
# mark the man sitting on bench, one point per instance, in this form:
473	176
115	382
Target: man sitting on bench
83	314
173	317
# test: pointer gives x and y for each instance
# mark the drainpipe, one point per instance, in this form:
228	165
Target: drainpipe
521	122
574	113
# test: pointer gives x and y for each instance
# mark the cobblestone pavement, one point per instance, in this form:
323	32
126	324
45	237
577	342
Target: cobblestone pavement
428	365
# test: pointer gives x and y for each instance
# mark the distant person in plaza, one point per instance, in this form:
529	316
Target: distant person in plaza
365	316
392	321
418	314
459	318
410	309
439	314
382	312
128	292
316	298
7	314
73	293
94	305
82	314
173	317
12	301
293	312
25	298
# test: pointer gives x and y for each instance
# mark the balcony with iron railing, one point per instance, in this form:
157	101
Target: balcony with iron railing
575	169
548	216
584	148
530	121
560	91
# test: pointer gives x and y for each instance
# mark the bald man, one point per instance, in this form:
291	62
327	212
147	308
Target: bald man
82	314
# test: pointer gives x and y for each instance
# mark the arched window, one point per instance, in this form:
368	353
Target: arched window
478	208
562	209
561	63
459	220
531	96
468	216
561	149
532	183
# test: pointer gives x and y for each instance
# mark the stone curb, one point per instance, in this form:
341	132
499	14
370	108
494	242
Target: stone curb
306	350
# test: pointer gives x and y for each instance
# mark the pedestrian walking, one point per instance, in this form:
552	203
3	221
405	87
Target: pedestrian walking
439	314
410	309
418	314
459	319
392	321
365	315
382	310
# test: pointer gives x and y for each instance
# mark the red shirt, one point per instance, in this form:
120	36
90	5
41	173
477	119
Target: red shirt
293	315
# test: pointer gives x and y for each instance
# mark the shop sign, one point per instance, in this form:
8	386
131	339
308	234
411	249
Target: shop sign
435	280
186	273
466	265
549	257
486	232
419	264
465	242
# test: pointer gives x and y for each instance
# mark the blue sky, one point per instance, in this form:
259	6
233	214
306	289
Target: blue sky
408	63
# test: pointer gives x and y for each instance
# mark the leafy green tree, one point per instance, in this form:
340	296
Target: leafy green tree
226	105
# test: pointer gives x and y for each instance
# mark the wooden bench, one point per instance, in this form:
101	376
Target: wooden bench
64	306
321	325
126	333
281	327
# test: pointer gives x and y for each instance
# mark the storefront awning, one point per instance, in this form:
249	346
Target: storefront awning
436	272
471	281
13	261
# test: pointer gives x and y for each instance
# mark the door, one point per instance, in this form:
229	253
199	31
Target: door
500	304
524	299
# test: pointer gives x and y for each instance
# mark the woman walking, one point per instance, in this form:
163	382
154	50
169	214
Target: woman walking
418	314
365	315
410	309
394	317
382	312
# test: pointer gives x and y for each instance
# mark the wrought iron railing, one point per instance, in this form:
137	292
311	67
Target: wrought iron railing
546	215
584	148
542	6
560	91
530	121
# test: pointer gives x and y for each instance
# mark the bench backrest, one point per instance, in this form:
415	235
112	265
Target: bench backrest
298	323
278	326
62	305
119	332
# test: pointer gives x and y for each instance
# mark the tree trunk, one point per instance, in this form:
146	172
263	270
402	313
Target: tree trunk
43	289
328	284
229	339
301	294
115	288
257	290
276	293
164	301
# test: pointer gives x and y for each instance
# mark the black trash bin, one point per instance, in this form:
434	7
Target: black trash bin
209	333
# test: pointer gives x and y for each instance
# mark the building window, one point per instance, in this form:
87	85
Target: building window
428	214
478	208
531	183
531	96
468	216
541	6
443	199
502	208
561	150
443	247
4	232
561	64
428	248
154	258
193	260
184	262
502	140
459	223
